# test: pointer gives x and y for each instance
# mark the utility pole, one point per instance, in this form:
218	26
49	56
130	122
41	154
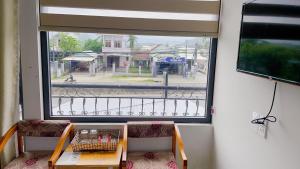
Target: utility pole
166	77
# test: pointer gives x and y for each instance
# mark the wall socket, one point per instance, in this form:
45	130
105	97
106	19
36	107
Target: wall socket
260	129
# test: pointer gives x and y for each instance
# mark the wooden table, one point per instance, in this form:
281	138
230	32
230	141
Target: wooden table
88	160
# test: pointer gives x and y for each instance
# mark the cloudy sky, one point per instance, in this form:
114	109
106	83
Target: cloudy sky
140	38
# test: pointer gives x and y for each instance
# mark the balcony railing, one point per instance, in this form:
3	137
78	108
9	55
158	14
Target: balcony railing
81	100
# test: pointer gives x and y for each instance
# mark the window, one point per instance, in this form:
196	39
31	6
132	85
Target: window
165	72
159	77
107	43
118	44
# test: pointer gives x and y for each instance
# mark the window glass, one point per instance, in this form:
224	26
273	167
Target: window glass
107	43
118	44
150	76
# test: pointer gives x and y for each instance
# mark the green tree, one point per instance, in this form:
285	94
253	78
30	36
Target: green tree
94	45
68	43
53	38
132	41
52	43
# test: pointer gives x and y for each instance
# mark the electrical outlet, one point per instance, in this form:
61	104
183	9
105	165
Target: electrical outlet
260	129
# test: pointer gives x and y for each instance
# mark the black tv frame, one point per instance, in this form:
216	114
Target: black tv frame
255	12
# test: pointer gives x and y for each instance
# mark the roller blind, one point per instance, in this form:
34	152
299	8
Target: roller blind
156	17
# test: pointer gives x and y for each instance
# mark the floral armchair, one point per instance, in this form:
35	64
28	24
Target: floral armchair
152	160
36	128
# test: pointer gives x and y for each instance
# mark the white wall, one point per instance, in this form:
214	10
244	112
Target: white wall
30	60
237	95
198	138
198	141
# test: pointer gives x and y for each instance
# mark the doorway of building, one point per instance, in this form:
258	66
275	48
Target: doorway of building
113	59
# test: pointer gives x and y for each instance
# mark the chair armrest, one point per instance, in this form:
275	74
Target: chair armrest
124	153
181	147
61	142
7	136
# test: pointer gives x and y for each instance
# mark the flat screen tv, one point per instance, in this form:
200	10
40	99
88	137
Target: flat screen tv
270	42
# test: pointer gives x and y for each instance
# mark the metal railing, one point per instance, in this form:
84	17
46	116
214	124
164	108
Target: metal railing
160	101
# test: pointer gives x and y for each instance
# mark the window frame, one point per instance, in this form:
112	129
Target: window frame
46	83
117	44
107	42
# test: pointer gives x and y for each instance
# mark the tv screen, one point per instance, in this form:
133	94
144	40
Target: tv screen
270	42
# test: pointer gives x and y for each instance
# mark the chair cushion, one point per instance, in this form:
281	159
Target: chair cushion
33	160
151	160
42	128
150	129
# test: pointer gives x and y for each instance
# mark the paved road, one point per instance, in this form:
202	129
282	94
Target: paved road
108	78
199	79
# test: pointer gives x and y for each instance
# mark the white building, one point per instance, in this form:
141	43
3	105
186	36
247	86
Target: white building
115	50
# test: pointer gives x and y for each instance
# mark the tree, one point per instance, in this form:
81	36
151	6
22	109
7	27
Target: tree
53	39
52	46
94	45
132	41
52	43
68	44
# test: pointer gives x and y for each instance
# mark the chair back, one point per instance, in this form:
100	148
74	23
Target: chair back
42	128
149	129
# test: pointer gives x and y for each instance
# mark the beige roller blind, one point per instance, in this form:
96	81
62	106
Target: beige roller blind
160	17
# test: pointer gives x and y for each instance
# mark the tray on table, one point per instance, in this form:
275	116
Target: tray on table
104	140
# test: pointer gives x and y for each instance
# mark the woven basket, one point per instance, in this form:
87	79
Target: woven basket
110	146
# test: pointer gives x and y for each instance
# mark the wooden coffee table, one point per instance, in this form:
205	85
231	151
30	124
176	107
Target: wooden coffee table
88	160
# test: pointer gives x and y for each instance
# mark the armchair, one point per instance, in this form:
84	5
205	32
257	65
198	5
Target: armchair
152	160
36	128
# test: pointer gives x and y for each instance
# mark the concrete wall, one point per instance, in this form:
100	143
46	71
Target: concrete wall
237	95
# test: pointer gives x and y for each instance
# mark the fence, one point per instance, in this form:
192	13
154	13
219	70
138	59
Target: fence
127	100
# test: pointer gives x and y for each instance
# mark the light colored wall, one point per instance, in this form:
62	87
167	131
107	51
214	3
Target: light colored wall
198	138
30	60
237	95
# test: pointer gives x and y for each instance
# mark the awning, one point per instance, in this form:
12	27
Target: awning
121	54
171	60
79	58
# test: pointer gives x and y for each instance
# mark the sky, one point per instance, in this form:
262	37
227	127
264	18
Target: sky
141	39
163	39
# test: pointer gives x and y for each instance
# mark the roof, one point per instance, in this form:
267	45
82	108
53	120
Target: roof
121	54
78	58
157	57
177	60
82	57
141	56
187	55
